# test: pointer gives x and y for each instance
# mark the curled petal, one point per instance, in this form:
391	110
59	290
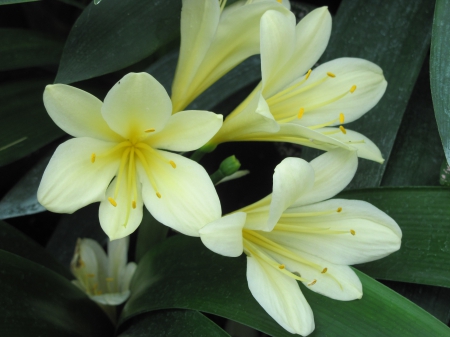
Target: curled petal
188	199
71	181
224	236
136	103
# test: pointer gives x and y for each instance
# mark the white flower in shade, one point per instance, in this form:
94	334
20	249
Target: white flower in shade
117	158
214	40
105	279
298	105
294	235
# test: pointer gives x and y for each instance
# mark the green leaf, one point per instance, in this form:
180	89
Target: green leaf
440	71
22	198
150	233
395	36
26	125
21	48
173	323
13	241
417	153
116	34
423	214
182	273
38	302
444	176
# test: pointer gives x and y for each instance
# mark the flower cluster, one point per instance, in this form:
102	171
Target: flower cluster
126	154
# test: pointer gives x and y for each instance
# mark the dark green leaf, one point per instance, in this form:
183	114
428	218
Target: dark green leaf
396	36
150	233
182	273
440	71
115	34
26	125
22	198
423	213
173	323
13	241
444	176
35	301
20	48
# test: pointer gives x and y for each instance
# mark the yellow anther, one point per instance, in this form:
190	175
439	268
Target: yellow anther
158	195
352	89
280	1
300	113
307	74
331	74
109	279
313	282
149	130
281	266
172	163
90	275
93	158
341	118
112	201
343	130
339	209
133	204
324	270
352	232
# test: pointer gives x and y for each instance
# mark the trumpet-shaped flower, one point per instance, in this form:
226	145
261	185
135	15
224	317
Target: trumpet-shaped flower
117	158
294	235
105	279
296	104
214	40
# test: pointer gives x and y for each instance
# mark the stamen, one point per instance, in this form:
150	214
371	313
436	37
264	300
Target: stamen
331	74
281	266
341	118
149	130
280	1
312	283
324	270
339	210
112	201
307	214
343	130
352	232
352	89
133	204
93	158
308	74
172	163
158	195
300	113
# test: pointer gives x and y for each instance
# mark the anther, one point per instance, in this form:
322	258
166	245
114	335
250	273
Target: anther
158	195
352	232
93	158
172	163
341	118
280	1
112	201
339	210
281	266
307	74
324	270
109	279
90	275
313	282
300	113
149	130
133	204
352	89
331	74
343	130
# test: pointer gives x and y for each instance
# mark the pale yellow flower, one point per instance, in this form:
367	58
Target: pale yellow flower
295	234
118	158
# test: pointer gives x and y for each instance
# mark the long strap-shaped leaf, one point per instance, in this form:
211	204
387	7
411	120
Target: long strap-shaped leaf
423	213
440	71
182	273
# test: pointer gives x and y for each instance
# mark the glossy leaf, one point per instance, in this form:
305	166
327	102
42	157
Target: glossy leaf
172	323
395	36
198	279
35	301
13	241
22	198
115	34
20	48
26	125
440	71
423	214
444	176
